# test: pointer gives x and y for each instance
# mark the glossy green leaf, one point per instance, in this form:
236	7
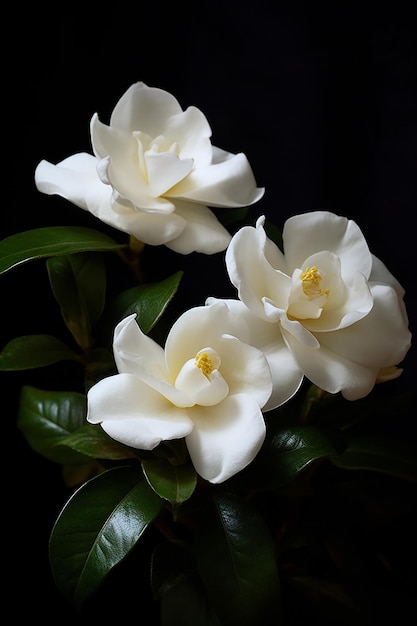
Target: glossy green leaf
236	561
288	452
175	483
32	351
98	527
99	363
177	586
147	301
336	410
233	218
92	441
51	241
379	454
47	417
78	282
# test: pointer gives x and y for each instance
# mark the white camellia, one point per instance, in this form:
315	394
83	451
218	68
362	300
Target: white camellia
208	385
154	174
338	309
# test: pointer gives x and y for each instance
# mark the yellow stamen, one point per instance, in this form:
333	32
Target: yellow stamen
311	282
204	363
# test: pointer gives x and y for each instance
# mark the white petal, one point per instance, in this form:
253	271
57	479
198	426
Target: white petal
285	372
123	169
134	351
381	274
201	389
332	372
76	180
225	438
253	275
196	329
245	369
308	233
230	183
164	171
191	131
154	229
134	414
343	305
202	230
298	332
144	108
358	303
138	354
389	373
379	340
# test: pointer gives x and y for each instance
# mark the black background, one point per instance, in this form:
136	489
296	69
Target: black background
320	96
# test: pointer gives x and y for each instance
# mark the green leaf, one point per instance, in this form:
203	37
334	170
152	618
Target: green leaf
97	528
78	282
379	454
92	441
288	452
99	364
147	301
177	585
236	561
51	241
232	218
175	483
32	351
45	418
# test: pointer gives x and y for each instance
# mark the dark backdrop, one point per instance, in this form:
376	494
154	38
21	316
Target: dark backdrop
321	96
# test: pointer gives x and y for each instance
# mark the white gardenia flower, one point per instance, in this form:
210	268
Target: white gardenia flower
154	174
336	306
208	386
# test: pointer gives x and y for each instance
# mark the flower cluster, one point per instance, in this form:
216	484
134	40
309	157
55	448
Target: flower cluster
158	419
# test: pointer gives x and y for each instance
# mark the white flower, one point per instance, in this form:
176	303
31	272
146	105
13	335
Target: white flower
339	310
208	386
262	335
154	173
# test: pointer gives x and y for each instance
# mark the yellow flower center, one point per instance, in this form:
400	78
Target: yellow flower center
204	363
311	279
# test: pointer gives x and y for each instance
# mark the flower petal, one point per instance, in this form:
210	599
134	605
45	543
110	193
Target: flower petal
201	389
144	108
121	167
332	372
285	372
229	183
202	230
153	229
198	328
164	171
308	233
246	369
190	130
138	354
379	340
134	414
253	275
343	305
225	438
76	180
